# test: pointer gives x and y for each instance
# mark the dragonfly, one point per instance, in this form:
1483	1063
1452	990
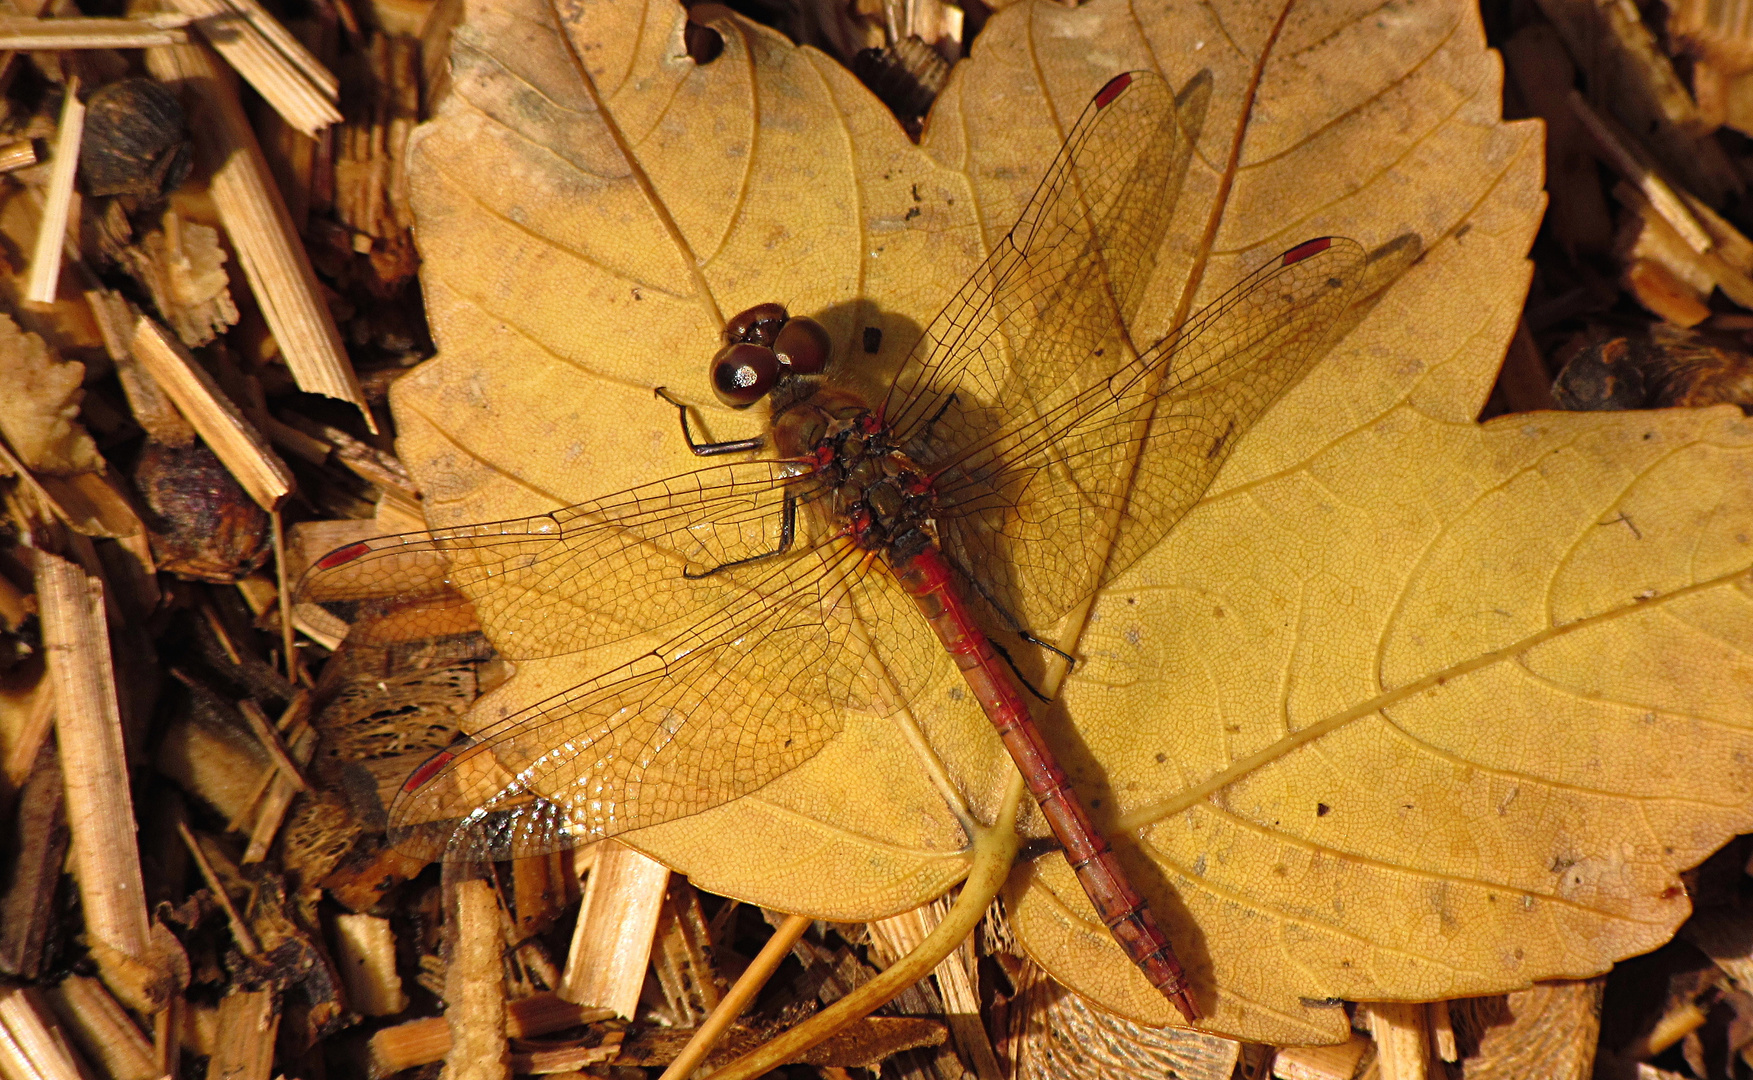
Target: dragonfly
1024	453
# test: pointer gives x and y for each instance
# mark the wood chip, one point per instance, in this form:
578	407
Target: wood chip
102	1028
424	1041
1620	151
1549	1030
43	35
94	765
45	261
39	846
611	947
1634	81
474	986
1402	1038
281	69
255	217
31	1043
365	952
1339	1062
220	423
954	976
1442	1032
248	1024
1051	1033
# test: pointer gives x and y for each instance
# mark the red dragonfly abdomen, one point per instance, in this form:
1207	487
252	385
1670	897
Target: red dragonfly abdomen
926	577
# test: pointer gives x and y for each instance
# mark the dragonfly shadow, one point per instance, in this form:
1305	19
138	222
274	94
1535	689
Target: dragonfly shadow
877	342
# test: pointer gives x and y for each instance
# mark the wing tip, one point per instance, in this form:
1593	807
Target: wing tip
342	556
1304	250
1113	89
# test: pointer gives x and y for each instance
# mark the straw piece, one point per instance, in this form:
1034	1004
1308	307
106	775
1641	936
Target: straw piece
268	246
248	1022
45	262
279	798
293	81
748	984
103	1029
269	737
293	441
47	35
240	930
474	987
17	155
31	1043
291	48
365	952
94	766
221	426
28	911
407	1046
617	922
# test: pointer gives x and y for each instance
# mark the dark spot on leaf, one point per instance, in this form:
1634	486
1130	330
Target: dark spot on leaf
1322	809
1161	757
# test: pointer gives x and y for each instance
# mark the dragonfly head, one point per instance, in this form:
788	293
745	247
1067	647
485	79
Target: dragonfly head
764	346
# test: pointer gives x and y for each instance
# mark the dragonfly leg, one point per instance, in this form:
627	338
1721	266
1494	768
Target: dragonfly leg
938	415
731	446
787	533
1004	654
1070	661
1015	624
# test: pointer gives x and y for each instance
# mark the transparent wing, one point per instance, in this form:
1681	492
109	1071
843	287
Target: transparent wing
581	577
741	696
1053	506
1046	316
757	664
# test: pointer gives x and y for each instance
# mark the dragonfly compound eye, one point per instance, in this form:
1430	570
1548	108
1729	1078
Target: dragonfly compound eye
803	346
742	374
758	325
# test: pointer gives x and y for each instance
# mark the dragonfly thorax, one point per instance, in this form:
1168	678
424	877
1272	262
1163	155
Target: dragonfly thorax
884	499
